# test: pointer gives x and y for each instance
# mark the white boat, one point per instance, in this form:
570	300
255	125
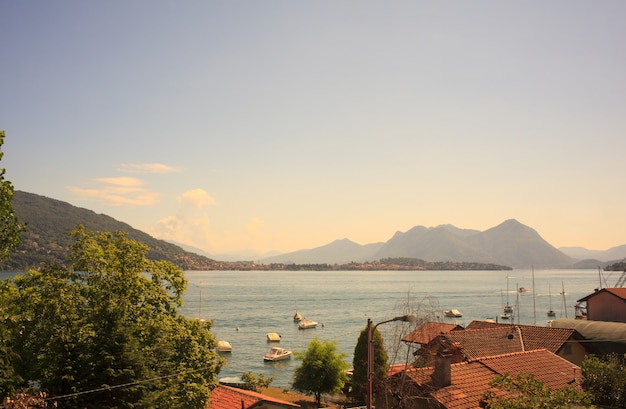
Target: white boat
505	316
452	313
297	317
224	346
306	324
273	337
277	354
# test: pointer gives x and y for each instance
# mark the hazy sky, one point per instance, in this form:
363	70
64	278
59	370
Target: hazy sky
282	125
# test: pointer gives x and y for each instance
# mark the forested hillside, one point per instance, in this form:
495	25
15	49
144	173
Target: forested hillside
46	238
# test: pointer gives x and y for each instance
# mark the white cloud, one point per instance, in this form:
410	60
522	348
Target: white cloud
122	181
255	225
147	168
118	191
117	196
196	198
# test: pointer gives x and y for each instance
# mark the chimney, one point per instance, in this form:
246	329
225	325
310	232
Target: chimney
442	376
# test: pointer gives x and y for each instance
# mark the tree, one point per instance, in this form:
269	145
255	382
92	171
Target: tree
10	227
380	366
255	383
107	332
526	392
323	369
605	379
10	238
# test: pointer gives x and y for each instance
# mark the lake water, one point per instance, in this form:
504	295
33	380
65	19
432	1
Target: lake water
245	306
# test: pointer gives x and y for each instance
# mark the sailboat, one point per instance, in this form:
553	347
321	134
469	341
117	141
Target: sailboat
297	317
508	309
505	315
551	312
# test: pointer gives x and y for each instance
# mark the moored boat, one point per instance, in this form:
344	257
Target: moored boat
307	323
277	354
273	337
297	317
452	313
224	346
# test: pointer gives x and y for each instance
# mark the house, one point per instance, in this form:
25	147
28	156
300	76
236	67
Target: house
606	304
447	385
482	338
562	341
599	337
228	397
430	330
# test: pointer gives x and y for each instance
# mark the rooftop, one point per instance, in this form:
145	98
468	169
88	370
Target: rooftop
430	330
228	397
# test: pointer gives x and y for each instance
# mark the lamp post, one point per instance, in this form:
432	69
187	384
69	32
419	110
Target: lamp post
370	351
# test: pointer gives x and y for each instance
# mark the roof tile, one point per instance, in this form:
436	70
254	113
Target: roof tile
430	330
228	397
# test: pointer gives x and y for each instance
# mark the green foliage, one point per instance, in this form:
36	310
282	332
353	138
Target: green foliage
47	239
255	383
106	332
323	369
605	379
359	364
526	392
10	227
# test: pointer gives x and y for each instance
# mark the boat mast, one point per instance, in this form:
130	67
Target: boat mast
516	302
550	298
507	290
534	304
563	293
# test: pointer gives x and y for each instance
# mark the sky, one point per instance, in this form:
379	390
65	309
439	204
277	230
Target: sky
262	126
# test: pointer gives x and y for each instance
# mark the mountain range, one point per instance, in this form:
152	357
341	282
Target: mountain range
511	243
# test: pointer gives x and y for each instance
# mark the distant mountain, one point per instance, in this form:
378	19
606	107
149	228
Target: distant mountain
441	243
49	221
511	243
581	253
244	255
338	252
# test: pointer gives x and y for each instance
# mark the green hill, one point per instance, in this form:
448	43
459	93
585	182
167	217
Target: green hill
46	238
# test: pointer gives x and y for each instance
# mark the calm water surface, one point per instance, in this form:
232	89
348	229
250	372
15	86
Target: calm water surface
245	306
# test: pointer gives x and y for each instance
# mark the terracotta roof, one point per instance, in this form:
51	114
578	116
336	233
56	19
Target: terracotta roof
469	383
533	337
554	371
227	397
429	331
486	342
618	292
470	380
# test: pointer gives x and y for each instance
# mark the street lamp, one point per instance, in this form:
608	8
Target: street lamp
370	350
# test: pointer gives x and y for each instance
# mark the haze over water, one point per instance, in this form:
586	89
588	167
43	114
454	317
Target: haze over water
245	306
